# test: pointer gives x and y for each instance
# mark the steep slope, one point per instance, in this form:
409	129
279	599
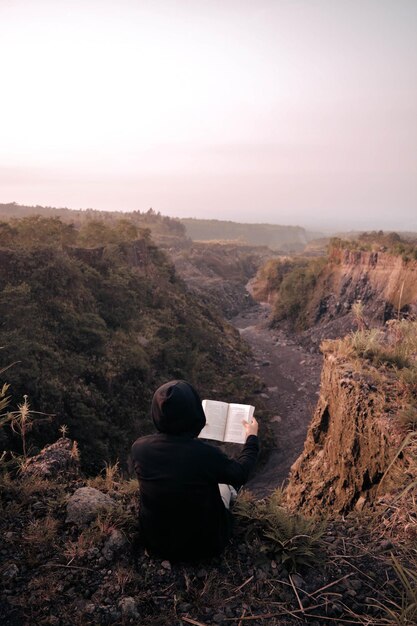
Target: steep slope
356	449
96	330
330	296
218	272
383	282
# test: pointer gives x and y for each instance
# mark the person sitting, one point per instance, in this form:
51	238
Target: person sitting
182	516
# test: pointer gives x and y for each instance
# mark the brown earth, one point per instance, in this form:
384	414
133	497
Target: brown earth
291	375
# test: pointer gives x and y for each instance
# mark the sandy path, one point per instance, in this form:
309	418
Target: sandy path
292	376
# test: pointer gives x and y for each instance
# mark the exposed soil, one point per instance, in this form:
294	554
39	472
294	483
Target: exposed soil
291	374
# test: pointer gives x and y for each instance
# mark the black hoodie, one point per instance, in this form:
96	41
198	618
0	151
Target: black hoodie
181	513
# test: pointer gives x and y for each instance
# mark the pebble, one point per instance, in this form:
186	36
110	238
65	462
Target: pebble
166	565
355	584
298	581
11	571
127	606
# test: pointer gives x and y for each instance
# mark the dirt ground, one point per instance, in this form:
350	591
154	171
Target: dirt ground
291	374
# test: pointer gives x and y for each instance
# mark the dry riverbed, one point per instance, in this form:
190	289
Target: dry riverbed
291	374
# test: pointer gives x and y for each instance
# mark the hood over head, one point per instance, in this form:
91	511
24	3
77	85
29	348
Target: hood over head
177	410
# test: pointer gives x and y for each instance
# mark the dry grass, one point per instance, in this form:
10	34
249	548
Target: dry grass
108	480
77	549
41	533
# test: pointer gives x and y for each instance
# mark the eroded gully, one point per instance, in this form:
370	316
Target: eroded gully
291	375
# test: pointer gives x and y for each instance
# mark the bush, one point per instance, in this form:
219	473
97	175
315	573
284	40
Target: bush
295	292
291	539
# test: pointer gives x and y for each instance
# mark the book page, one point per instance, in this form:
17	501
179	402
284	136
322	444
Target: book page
235	431
216	415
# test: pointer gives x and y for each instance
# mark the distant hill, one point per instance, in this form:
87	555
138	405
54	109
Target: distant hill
164	229
283	238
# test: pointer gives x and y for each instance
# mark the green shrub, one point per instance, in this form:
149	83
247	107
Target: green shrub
295	292
291	539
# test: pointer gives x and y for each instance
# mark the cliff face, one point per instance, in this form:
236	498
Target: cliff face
351	442
384	283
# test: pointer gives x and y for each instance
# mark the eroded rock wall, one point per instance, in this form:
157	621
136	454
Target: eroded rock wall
350	443
383	282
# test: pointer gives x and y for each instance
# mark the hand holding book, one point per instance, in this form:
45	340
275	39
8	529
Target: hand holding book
251	428
228	422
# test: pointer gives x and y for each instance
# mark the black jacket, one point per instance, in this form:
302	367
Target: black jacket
181	513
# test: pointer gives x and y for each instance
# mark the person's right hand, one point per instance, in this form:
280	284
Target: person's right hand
251	428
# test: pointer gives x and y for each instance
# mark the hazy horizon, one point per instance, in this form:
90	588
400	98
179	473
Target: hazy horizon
299	112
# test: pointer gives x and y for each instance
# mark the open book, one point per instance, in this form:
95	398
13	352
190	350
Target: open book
224	421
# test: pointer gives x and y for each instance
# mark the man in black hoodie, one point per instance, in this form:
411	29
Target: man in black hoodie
181	512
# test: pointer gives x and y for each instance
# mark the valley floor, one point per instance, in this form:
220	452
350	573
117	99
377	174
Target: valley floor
291	374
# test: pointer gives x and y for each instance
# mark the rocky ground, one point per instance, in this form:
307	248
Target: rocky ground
70	555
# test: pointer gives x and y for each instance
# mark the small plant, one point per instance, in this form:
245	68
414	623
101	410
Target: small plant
117	518
39	537
366	343
123	576
292	539
129	487
22	421
4	401
75	453
358	311
404	614
109	480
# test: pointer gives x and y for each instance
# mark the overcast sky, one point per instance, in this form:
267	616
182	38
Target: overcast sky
283	111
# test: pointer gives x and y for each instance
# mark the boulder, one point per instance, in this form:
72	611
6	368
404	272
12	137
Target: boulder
85	504
56	459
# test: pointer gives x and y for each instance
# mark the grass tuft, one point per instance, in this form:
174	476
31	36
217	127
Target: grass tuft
291	539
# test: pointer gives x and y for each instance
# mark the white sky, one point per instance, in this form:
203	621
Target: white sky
287	111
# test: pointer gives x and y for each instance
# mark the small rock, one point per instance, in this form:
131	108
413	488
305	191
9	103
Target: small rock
276	418
355	584
166	565
127	606
11	571
114	614
85	504
114	544
298	581
89	608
